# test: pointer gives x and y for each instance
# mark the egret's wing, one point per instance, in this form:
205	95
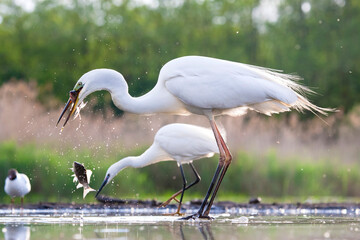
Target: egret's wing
218	91
186	142
218	84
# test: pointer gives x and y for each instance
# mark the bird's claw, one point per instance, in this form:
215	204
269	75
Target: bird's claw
173	214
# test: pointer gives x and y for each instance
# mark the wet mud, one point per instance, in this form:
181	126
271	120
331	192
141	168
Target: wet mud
219	207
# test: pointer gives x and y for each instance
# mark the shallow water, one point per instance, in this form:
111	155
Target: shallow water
145	224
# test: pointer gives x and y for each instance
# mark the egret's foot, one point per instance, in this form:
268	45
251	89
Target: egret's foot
196	216
177	213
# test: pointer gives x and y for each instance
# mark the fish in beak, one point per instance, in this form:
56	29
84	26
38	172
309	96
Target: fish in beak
73	101
103	184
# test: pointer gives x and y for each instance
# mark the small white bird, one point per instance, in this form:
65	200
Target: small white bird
182	143
17	185
205	86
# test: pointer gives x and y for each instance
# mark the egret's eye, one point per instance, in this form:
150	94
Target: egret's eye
78	86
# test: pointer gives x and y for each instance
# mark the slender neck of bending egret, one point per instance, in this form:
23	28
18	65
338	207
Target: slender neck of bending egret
138	105
158	100
155	101
150	156
127	162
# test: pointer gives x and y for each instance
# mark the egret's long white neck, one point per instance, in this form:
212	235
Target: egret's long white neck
152	155
147	104
158	100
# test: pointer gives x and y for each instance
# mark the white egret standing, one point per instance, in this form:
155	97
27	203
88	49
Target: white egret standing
205	86
180	142
17	185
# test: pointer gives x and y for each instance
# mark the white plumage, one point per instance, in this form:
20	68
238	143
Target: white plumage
196	84
205	86
17	185
178	142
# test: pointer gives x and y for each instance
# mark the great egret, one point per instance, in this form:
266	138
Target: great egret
180	142
17	185
205	86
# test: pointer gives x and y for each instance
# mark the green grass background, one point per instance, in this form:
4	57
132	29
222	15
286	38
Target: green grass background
268	176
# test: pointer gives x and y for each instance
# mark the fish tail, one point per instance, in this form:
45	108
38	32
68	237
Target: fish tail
87	190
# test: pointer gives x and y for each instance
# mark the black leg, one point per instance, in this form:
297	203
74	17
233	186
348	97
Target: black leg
184	187
227	162
224	158
208	207
197	180
203	204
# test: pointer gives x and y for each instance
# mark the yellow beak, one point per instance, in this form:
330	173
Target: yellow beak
73	99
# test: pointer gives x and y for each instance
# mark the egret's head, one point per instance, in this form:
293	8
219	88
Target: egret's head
94	80
110	174
73	101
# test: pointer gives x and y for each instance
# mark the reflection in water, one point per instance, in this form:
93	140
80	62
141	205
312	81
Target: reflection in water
206	232
16	232
204	229
160	227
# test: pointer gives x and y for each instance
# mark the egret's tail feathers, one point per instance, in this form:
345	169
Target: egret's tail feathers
87	190
275	106
303	103
288	80
270	107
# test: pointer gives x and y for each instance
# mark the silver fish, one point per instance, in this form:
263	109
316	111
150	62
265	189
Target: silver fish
83	176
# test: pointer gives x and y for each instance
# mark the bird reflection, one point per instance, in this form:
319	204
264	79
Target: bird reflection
204	229
16	232
206	232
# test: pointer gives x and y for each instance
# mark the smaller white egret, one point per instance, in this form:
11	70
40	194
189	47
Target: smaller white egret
180	142
17	185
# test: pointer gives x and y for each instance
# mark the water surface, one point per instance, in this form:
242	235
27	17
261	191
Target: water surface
147	224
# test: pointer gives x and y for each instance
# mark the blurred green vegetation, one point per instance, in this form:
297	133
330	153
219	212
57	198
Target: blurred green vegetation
266	176
59	41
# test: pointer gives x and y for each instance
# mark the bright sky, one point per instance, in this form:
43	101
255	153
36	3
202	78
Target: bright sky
267	11
27	5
